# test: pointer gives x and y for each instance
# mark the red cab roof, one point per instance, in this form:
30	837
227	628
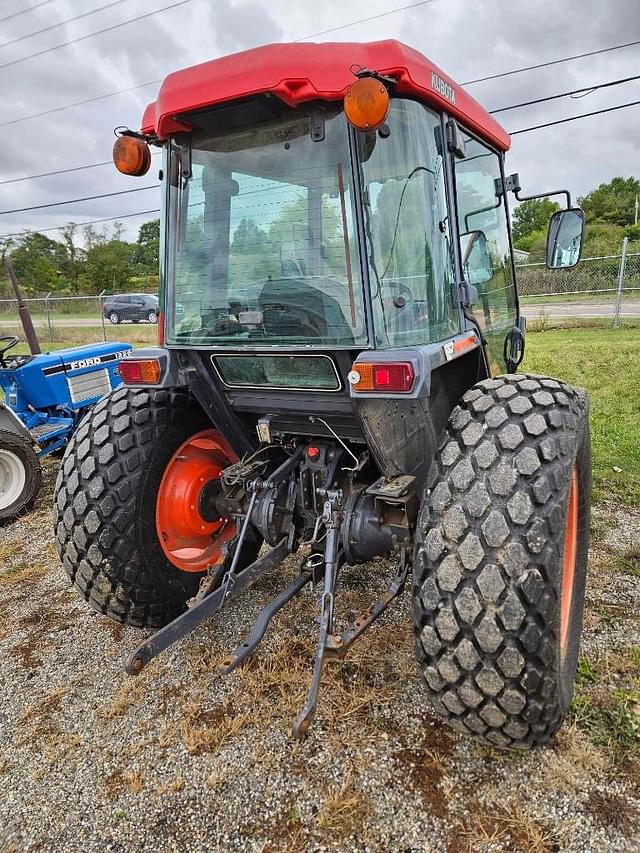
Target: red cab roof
301	72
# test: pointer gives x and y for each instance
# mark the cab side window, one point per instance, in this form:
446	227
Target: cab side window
484	242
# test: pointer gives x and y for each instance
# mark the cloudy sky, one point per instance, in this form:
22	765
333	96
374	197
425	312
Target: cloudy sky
466	38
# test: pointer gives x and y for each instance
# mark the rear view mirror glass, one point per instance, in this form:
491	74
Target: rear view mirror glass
564	240
476	260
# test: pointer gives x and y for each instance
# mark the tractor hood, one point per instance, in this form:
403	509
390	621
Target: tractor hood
301	72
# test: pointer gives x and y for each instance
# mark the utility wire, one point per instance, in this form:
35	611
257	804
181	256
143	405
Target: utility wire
586	89
575	118
63	171
156	82
74	200
366	20
552	62
62	23
80	224
24	11
91	35
79	103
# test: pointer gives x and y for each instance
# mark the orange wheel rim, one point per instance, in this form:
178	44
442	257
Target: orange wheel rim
569	562
189	541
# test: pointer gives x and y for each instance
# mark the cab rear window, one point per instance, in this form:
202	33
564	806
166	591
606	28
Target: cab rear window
296	372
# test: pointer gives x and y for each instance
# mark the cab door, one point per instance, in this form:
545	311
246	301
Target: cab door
485	247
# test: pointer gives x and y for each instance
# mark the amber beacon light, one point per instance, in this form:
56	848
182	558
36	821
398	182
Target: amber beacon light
131	156
366	103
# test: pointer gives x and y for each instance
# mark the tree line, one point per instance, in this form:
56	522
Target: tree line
610	212
85	261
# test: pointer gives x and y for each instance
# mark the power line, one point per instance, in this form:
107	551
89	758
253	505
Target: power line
91	35
552	62
81	224
62	23
366	20
63	171
575	118
74	200
156	82
24	11
79	103
587	89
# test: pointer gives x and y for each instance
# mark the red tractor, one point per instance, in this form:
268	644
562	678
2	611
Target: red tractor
340	382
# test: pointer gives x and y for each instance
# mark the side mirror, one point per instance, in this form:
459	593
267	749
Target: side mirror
476	260
564	240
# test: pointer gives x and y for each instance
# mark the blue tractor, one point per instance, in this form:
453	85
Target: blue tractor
45	396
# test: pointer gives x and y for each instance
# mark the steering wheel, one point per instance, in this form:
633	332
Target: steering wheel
12	341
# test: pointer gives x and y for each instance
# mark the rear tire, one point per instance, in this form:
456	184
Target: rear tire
20	475
114	318
105	506
497	631
152	316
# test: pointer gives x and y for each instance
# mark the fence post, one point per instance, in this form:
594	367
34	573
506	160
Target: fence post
47	308
623	263
101	303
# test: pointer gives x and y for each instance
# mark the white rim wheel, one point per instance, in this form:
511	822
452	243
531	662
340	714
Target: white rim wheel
113	318
12	478
153	317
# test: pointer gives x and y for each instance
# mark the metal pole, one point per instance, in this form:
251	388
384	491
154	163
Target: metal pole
623	261
23	310
101	303
48	310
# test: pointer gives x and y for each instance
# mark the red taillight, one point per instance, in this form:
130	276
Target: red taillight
394	377
139	371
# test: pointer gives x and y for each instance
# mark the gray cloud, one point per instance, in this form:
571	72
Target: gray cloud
467	39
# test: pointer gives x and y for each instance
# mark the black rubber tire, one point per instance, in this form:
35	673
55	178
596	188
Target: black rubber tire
105	502
22	449
152	316
489	559
114	318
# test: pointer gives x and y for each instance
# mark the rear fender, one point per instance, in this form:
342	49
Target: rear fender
10	422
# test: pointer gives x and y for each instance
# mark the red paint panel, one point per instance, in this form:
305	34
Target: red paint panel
301	72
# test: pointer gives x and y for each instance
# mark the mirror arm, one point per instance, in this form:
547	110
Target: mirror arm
544	195
512	184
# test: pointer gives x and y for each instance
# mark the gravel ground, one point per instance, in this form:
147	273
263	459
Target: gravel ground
176	760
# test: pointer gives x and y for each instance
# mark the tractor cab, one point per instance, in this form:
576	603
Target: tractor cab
339	335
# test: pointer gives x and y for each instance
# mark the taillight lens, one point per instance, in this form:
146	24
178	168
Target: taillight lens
140	371
395	377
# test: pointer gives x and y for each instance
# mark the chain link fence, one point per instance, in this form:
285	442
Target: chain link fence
603	286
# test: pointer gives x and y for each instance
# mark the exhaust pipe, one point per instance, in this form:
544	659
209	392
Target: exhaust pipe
23	310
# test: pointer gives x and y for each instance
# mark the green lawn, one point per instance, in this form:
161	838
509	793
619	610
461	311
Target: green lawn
607	363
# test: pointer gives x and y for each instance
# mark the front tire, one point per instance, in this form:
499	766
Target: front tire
500	566
106	505
20	475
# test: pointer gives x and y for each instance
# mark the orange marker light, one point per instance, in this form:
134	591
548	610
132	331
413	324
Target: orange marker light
366	104
139	371
131	156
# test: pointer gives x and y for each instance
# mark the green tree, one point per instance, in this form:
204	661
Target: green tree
147	252
613	202
531	217
37	261
108	266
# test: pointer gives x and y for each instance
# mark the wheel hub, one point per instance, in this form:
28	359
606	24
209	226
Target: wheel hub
190	530
12	478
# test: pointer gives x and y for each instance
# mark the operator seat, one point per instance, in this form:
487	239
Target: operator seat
293	307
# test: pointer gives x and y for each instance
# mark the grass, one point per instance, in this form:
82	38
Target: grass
606	362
